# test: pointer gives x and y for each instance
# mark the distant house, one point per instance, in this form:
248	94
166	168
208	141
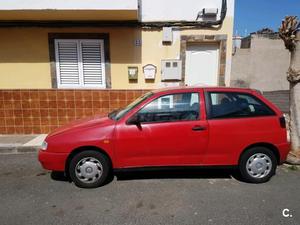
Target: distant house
62	60
261	63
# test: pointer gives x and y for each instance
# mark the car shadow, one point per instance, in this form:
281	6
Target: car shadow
165	173
59	176
194	173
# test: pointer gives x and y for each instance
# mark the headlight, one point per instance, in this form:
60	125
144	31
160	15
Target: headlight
44	146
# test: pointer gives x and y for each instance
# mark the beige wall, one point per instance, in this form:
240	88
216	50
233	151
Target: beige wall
24	54
262	67
153	51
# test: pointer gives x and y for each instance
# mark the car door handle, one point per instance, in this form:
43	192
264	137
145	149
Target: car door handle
198	128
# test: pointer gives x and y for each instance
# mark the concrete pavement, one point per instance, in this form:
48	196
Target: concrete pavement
12	144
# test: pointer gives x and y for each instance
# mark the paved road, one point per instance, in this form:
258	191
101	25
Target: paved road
30	196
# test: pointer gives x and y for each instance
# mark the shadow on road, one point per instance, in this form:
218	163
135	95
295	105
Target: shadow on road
59	176
203	173
165	173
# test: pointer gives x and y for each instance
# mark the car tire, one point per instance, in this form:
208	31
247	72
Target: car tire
89	169
257	165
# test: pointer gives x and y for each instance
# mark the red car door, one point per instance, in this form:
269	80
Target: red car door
237	120
171	131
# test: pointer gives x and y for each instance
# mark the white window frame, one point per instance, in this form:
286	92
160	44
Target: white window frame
169	97
80	64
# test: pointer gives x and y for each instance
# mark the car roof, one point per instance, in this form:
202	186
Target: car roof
197	88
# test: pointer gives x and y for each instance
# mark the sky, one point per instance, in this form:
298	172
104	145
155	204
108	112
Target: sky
253	15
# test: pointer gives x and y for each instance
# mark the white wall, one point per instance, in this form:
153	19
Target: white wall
68	4
151	10
168	10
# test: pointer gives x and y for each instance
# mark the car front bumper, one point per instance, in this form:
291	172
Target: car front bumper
53	161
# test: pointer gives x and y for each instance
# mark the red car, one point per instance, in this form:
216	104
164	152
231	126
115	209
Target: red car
189	126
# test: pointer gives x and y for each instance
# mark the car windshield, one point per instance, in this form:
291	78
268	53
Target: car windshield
118	114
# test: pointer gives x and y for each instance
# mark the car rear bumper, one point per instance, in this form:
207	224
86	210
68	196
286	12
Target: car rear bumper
283	151
53	161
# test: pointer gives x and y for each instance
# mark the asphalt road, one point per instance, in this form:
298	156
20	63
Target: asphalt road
30	196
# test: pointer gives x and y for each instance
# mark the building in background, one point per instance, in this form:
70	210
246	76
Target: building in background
261	63
62	60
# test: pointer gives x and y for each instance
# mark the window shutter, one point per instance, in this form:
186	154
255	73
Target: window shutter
67	63
92	63
80	63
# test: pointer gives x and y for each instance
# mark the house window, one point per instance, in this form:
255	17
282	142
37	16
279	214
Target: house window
80	63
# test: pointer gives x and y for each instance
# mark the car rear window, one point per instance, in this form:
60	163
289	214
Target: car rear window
235	105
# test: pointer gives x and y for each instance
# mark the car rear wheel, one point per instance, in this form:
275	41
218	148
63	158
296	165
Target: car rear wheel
89	169
257	165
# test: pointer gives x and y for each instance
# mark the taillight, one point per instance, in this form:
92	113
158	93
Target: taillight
282	122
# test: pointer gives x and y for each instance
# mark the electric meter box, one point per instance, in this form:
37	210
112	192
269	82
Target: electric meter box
171	70
167	35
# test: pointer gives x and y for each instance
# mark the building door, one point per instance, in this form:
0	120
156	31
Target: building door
202	64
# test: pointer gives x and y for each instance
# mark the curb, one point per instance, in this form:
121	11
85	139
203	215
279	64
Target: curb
291	166
4	150
18	144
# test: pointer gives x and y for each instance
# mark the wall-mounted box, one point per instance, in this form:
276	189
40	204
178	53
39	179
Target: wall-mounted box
149	71
210	12
167	35
133	72
171	70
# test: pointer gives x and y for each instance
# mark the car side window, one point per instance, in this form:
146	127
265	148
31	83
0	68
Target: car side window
235	105
170	108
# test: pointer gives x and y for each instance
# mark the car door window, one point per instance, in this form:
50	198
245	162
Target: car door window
173	107
235	105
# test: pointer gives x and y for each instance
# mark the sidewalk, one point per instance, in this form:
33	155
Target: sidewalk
12	144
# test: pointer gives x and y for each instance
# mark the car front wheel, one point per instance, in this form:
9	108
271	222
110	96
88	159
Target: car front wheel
257	165
89	169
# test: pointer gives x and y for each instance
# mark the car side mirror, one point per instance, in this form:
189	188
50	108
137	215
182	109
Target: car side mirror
134	120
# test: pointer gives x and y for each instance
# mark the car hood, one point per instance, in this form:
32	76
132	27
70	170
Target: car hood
82	124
